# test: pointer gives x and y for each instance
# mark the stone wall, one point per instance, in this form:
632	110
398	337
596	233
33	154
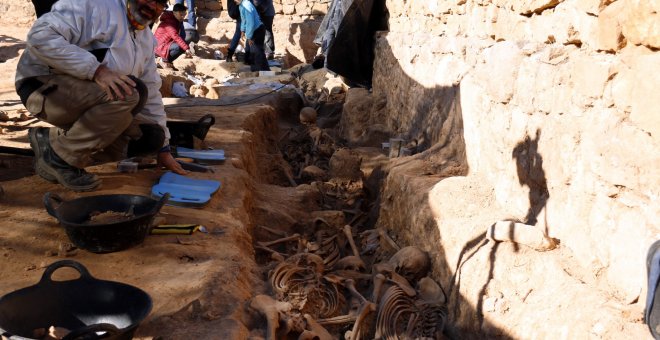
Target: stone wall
559	106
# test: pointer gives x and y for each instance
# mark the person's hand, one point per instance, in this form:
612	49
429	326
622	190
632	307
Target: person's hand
250	42
188	54
115	85
166	160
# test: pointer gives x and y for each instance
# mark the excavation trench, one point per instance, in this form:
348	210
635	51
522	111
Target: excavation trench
326	269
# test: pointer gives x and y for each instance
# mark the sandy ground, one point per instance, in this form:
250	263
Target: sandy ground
199	283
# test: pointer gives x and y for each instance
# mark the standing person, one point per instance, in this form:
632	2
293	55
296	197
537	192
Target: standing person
192	15
253	29
88	68
234	13
170	35
267	14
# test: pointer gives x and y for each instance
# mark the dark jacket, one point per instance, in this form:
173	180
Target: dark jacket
265	8
232	10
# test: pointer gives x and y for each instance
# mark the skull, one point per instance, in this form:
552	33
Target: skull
307	115
411	263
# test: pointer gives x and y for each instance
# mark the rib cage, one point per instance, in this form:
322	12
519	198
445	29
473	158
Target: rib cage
400	317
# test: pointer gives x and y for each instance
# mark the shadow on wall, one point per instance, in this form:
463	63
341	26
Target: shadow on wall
529	165
301	34
435	121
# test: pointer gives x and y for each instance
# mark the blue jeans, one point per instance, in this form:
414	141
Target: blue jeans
176	50
269	41
192	17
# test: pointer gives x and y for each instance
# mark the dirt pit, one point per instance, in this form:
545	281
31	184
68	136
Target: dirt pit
292	201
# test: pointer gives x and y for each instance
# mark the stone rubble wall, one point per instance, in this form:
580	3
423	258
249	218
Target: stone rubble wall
560	94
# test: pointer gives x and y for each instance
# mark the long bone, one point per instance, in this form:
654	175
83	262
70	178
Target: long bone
273	231
275	255
390	242
379	280
357	332
294	237
317	329
270	309
351	274
349	236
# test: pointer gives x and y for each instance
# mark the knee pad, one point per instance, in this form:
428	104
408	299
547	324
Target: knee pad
143	94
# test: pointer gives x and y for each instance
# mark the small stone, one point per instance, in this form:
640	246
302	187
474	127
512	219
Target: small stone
50	253
30	267
4	116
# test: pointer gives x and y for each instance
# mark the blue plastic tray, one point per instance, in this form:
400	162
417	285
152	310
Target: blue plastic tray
201	155
185	191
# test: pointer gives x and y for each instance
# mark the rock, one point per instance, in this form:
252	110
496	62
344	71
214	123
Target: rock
609	32
641	22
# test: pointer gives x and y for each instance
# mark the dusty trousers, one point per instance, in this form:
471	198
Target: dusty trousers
90	125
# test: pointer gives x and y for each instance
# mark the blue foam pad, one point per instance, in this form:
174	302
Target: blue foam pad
202	155
185	191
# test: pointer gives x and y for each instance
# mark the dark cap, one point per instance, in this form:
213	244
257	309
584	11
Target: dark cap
179	8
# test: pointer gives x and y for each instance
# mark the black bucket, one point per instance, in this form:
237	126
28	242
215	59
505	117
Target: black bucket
75	215
88	307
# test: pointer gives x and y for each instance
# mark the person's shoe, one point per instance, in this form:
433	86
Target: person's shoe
166	65
54	169
230	56
38	137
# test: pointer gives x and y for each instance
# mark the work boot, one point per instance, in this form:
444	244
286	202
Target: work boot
52	168
40	144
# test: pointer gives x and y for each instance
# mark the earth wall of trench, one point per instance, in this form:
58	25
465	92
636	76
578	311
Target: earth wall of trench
540	112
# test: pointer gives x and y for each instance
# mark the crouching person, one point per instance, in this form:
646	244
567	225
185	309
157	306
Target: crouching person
88	69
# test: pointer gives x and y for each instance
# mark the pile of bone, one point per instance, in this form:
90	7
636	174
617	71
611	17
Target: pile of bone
318	292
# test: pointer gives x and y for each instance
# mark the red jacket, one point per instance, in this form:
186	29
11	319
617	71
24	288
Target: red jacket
168	32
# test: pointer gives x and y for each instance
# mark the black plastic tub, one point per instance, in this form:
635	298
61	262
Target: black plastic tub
88	307
75	216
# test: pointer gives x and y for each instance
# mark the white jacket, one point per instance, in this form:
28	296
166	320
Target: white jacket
62	38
